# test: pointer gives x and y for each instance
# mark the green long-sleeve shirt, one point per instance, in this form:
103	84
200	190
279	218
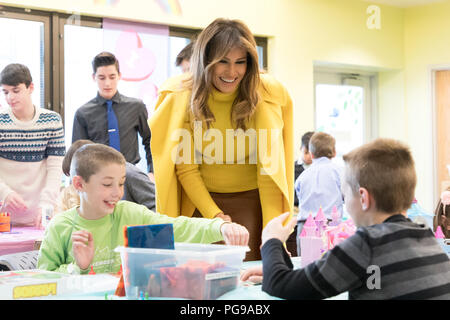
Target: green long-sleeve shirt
56	250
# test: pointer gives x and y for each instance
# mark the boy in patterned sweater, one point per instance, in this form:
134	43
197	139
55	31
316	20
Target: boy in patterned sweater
31	150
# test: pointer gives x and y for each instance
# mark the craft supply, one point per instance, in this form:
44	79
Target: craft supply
151	236
92	270
5	222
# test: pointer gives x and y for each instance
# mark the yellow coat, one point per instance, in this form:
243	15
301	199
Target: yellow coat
274	111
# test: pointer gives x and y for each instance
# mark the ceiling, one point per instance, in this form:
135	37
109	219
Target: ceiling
404	3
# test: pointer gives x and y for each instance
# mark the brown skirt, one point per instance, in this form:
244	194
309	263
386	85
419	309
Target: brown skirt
244	208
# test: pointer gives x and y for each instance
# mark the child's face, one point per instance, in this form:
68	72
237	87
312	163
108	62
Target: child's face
185	65
306	156
105	188
18	97
107	79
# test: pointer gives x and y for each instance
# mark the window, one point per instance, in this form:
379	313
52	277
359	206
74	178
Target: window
58	48
344	108
39	41
26	44
81	42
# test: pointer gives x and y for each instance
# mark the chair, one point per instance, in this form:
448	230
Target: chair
19	261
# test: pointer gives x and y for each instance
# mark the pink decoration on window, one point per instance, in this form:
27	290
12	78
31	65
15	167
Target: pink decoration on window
137	63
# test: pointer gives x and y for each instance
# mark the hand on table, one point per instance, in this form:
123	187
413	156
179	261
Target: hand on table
254	275
83	248
275	228
15	203
234	234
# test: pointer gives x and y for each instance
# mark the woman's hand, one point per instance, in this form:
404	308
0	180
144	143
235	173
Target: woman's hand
234	234
223	216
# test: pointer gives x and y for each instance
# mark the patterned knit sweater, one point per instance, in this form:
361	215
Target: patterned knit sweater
31	154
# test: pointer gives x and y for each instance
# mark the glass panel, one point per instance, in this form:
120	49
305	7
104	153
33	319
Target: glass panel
142	51
260	56
339	112
80	47
26	46
176	44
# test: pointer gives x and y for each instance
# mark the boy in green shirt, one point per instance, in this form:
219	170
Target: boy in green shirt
87	235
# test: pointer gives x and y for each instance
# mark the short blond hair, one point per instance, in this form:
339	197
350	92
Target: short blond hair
385	167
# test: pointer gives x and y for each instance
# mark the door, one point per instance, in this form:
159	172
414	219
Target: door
344	109
442	131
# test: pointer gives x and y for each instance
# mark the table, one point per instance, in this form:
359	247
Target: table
19	239
254	292
242	292
103	286
41	284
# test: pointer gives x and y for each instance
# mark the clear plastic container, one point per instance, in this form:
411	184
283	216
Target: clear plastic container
191	271
445	244
418	215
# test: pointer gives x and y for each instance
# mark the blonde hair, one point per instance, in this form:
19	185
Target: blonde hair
69	198
211	46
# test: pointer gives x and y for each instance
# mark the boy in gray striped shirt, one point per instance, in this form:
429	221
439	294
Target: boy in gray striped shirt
389	257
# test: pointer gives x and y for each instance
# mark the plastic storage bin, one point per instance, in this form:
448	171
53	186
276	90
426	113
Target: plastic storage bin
191	271
445	244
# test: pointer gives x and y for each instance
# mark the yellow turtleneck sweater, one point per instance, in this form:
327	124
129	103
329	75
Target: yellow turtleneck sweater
181	188
228	161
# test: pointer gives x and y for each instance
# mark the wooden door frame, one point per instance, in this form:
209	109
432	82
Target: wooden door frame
432	69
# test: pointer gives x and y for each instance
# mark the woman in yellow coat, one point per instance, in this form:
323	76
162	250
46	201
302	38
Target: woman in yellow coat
222	136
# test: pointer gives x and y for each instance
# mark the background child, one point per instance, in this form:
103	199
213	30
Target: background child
86	235
137	188
442	213
300	165
183	59
319	185
305	160
378	185
31	150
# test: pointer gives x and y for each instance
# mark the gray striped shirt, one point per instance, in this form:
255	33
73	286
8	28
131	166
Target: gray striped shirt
405	256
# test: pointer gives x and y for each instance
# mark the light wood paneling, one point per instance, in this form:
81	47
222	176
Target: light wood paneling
443	126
